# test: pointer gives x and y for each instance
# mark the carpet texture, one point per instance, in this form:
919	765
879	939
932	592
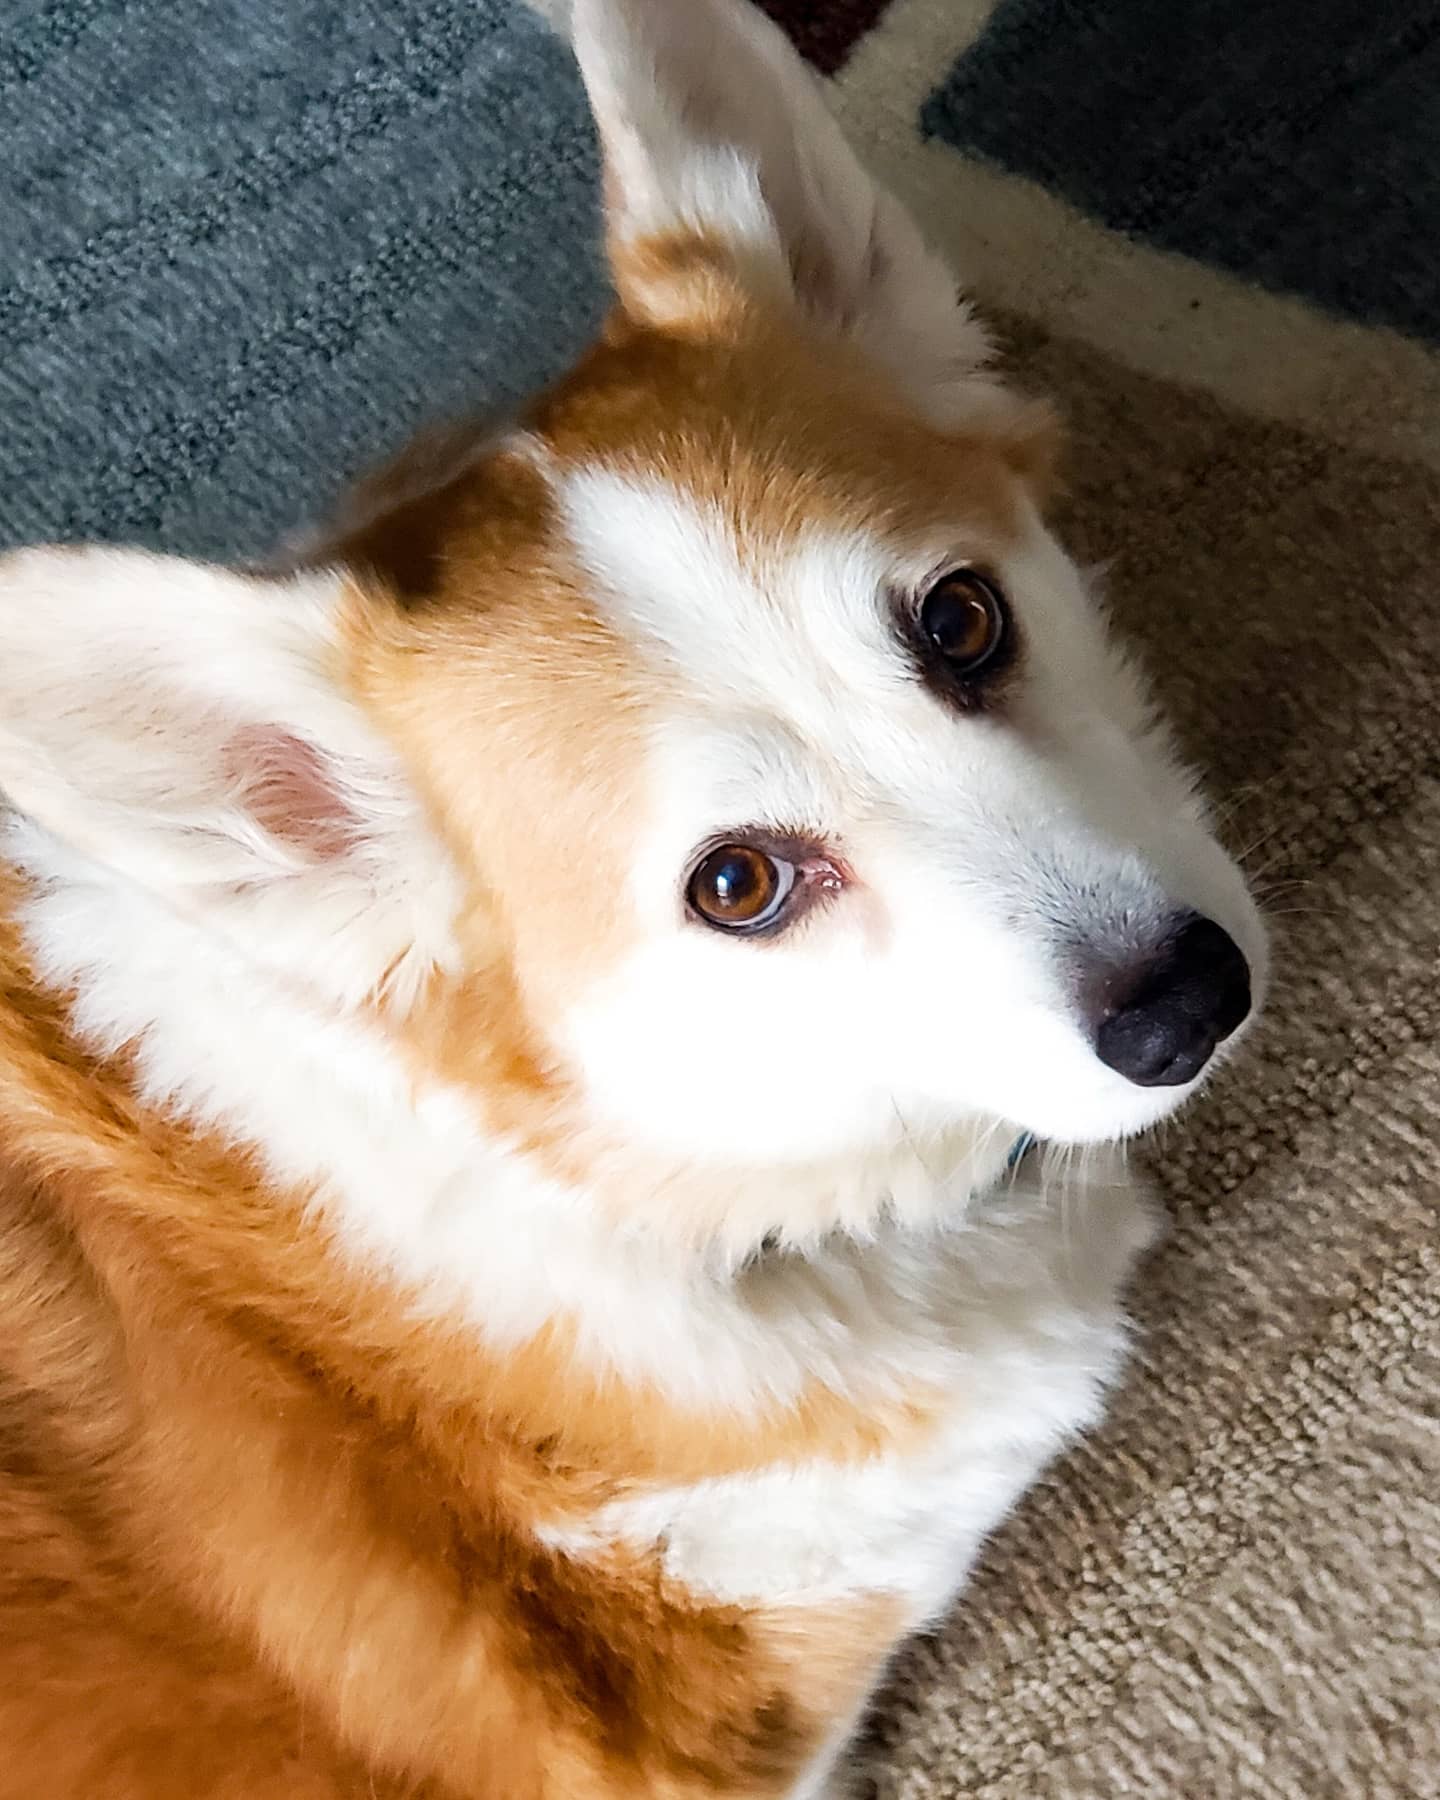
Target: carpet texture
244	246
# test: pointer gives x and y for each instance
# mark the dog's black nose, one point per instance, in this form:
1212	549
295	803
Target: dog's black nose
1188	999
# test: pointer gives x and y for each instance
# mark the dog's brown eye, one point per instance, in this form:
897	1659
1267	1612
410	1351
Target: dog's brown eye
965	619
740	888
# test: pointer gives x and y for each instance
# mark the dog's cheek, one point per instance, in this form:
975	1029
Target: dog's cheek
723	1051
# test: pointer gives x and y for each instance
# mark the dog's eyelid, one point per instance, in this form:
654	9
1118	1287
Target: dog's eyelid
776	840
917	582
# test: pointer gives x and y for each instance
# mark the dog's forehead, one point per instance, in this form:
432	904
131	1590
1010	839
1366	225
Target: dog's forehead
745	497
790	694
747	614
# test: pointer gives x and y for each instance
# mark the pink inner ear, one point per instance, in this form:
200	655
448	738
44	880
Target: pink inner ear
286	786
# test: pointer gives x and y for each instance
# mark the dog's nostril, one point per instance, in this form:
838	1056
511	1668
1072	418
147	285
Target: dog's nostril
1188	1000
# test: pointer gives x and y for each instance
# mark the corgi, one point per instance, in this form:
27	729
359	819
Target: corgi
519	1275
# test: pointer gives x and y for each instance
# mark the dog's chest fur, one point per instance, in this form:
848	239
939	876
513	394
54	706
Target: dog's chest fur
1012	1314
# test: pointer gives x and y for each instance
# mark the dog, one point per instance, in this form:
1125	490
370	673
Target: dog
520	1276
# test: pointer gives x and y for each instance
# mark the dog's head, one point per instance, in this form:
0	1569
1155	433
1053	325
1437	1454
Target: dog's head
727	758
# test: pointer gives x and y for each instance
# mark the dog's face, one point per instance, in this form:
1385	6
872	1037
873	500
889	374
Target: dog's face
791	802
903	838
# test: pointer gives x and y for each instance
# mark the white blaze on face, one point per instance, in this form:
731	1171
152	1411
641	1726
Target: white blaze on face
936	990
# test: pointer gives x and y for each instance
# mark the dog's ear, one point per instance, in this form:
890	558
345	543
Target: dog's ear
718	145
188	731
